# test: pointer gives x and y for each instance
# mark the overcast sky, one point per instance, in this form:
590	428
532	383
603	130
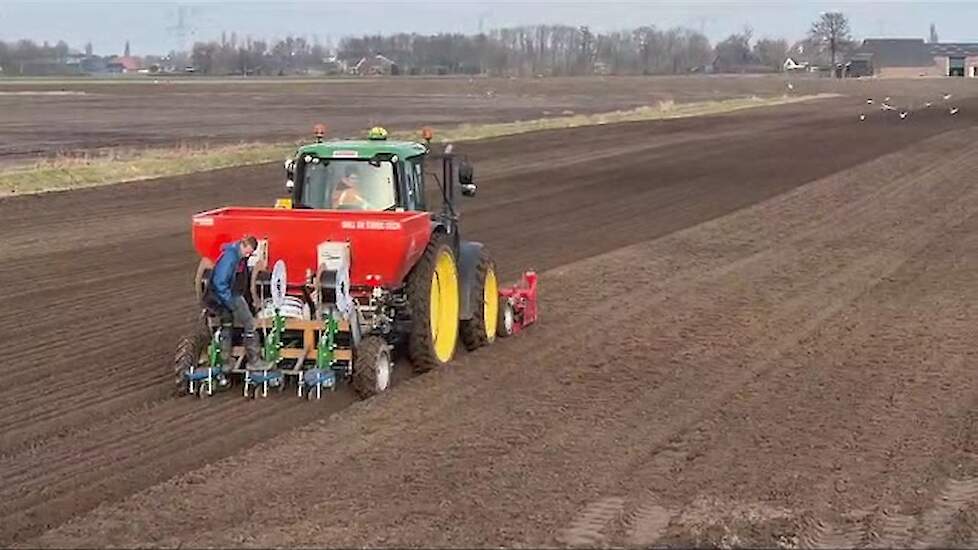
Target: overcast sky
151	26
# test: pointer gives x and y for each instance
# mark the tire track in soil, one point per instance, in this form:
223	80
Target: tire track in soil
891	529
647	524
830	535
587	529
62	507
934	525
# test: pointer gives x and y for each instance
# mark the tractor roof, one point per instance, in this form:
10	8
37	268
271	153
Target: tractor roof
363	149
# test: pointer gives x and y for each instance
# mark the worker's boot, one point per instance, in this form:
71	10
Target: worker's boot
253	359
226	335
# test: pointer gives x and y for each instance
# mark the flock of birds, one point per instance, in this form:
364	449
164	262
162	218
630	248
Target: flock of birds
903	113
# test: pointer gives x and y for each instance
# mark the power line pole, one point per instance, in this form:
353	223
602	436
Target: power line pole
184	30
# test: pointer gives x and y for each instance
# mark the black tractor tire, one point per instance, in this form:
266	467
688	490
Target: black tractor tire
475	332
421	341
371	353
189	351
202	278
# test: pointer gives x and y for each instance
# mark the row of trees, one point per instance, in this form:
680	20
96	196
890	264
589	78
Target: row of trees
536	50
525	50
233	56
27	57
540	49
828	40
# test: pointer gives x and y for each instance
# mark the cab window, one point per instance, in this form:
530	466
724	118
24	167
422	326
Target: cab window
348	185
414	179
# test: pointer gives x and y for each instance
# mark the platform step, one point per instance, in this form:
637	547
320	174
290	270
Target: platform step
319	377
201	373
272	377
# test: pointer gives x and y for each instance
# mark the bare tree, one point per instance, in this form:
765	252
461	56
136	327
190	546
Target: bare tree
831	29
203	57
526	50
734	52
771	52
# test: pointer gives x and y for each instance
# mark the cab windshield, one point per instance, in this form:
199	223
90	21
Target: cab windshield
348	185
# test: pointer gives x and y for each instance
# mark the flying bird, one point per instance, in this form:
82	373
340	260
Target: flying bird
947	97
791	86
886	107
953	111
927	105
862	118
886	99
869	101
903	114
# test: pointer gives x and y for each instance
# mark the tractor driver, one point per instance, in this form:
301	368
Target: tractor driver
224	297
347	192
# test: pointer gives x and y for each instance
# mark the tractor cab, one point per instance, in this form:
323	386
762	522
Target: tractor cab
374	175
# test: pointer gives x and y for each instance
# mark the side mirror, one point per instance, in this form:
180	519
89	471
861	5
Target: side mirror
466	179
466	174
289	173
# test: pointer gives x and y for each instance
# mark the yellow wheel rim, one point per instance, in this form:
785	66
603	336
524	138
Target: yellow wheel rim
444	307
490	307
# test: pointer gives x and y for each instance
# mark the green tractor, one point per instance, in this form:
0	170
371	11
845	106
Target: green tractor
363	261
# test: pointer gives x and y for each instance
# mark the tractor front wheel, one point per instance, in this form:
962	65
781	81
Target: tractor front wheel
372	367
433	299
480	330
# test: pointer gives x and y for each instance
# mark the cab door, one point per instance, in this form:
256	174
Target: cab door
414	184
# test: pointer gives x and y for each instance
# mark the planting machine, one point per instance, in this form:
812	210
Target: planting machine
353	269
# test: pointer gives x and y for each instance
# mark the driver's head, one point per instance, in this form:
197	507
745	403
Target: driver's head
350	176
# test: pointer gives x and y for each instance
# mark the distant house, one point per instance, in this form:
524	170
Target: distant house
334	65
791	65
912	57
94	64
956	59
375	65
859	65
124	64
75	59
602	68
897	57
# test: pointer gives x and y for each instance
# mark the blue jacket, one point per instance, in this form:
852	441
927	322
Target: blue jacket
222	277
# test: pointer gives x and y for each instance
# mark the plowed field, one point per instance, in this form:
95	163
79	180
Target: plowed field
757	329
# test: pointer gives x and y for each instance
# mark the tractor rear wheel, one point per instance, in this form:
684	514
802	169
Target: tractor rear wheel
202	279
190	350
433	299
480	330
372	367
